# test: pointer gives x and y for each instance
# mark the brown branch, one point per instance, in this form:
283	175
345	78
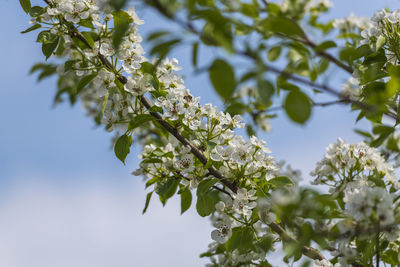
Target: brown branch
307	41
307	251
191	28
195	151
315	104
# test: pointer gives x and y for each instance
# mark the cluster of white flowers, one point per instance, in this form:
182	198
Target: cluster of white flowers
345	162
235	258
324	263
353	170
351	89
351	23
369	203
240	159
86	61
250	157
385	24
308	6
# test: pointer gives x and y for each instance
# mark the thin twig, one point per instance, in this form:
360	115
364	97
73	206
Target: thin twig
315	104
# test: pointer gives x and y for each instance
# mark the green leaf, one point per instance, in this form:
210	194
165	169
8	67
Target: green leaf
298	106
380	42
285	85
103	105
162	49
280	181
86	23
241	239
281	25
46	70
90	37
139	120
36	11
274	53
48	48
122	147
186	200
84	81
222	78
156	35
121	17
146	205
195	51
122	20
265	243
205	185
265	91
46	37
363	133
166	189
26	5
378	93
249	10
34	27
147	67
325	45
205	205
117	4
383	131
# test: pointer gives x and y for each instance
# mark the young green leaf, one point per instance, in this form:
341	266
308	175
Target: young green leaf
281	25
195	51
122	147
265	91
146	205
325	45
298	106
26	5
223	78
34	27
49	47
139	120
36	11
280	181
241	239
274	53
84	81
186	200
205	205
166	189
205	185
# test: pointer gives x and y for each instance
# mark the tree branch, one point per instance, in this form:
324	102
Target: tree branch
307	41
195	151
191	28
307	251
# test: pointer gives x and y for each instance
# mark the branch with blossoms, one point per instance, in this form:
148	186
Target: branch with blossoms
253	202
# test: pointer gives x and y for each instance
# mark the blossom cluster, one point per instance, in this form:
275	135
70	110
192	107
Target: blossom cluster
366	203
210	131
345	162
361	179
351	23
307	6
324	263
116	102
383	31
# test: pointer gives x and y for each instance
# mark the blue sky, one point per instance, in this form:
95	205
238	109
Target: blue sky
65	200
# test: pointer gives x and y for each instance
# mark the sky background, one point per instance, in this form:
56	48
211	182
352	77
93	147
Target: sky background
65	200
